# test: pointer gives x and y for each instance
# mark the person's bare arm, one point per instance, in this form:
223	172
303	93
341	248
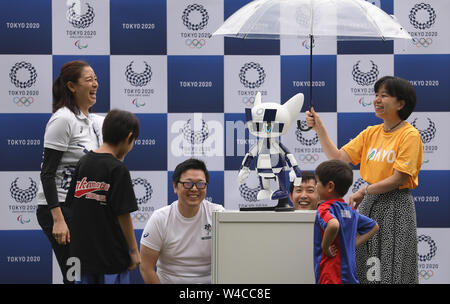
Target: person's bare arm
388	184
329	148
126	225
362	238
60	230
329	235
149	257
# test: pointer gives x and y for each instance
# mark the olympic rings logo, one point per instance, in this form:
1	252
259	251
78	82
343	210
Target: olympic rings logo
309	158
23	101
140	217
148	190
426	274
248	101
252	66
431	250
195	43
431	16
422	42
27	66
186	14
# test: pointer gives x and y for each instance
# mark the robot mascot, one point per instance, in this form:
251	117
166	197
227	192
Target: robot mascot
267	121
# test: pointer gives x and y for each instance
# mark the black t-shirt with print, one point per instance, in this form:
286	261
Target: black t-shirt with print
100	191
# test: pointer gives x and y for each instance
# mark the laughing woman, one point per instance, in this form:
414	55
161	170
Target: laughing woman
390	157
71	132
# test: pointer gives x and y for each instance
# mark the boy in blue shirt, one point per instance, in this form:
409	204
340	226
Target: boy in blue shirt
338	229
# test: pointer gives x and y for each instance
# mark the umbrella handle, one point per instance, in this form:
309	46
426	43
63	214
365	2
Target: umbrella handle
299	126
311	42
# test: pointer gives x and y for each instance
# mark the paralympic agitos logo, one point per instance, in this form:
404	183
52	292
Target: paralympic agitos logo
23	195
79	20
249	194
138	79
428	133
365	78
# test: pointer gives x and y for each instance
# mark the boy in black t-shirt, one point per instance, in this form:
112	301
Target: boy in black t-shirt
101	196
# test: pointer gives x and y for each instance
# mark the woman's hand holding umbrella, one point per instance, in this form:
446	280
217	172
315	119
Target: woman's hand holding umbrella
313	120
329	148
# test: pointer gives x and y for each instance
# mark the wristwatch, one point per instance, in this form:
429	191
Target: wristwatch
365	190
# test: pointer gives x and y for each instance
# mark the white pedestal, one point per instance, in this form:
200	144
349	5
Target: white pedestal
263	247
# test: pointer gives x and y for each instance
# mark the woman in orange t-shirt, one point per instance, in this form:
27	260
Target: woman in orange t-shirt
390	157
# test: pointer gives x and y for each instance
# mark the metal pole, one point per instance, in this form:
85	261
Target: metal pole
310	70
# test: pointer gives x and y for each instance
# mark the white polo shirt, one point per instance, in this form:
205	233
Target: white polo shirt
184	243
75	135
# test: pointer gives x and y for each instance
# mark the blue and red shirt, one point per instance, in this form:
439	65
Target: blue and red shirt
340	269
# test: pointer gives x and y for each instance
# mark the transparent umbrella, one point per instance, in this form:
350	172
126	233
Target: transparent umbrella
337	19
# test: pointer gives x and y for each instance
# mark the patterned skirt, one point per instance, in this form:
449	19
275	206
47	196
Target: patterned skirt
390	256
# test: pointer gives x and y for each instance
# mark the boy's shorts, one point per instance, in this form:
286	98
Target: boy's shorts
117	278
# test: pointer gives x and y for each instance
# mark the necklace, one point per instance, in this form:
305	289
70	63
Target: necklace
394	126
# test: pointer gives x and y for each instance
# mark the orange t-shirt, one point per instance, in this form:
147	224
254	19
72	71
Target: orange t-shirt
380	153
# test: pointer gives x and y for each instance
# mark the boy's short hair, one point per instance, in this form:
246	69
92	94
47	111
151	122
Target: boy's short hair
337	171
117	125
191	163
306	176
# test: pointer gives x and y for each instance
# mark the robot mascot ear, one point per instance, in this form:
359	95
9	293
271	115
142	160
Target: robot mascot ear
289	111
257	99
294	106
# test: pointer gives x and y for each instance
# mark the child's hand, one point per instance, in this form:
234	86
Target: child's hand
330	251
135	260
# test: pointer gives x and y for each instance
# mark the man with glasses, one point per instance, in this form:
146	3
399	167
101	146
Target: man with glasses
177	238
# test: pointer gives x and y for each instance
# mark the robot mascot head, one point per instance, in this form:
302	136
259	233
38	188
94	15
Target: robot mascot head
269	120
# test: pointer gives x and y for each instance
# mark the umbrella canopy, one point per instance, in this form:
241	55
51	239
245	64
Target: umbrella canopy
337	19
341	19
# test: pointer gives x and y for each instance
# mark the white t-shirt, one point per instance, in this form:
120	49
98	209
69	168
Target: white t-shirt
184	243
75	135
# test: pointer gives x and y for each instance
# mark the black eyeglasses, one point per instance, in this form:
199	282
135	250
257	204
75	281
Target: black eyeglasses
189	185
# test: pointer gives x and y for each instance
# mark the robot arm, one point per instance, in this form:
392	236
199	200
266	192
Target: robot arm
244	171
295	175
